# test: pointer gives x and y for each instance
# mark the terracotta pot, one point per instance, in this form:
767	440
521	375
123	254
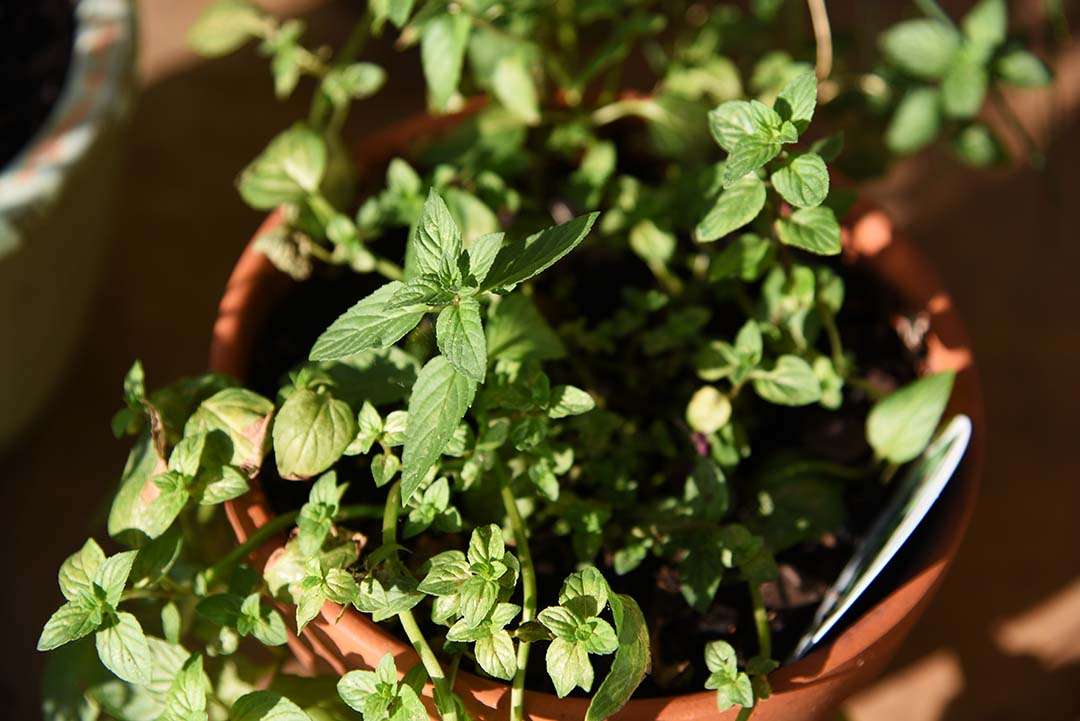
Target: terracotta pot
56	198
806	690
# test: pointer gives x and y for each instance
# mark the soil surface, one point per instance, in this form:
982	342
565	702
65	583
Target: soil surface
36	41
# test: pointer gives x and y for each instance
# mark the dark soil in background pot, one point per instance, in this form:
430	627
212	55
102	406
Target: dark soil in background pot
36	42
679	633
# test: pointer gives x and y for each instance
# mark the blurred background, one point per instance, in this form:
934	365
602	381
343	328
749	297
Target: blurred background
1002	639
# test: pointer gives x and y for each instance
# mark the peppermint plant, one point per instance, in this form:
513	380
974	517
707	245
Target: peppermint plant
610	375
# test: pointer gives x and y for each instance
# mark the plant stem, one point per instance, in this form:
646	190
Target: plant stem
275	525
819	18
761	621
836	347
321	104
443	692
1035	155
528	603
388	269
930	8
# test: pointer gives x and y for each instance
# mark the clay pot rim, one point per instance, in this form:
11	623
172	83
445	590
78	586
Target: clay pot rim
868	237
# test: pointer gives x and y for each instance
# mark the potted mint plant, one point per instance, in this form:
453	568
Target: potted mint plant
573	416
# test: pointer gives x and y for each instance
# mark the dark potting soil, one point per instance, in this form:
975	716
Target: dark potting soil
678	633
36	41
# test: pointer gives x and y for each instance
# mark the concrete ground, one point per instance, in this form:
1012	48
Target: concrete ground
1001	641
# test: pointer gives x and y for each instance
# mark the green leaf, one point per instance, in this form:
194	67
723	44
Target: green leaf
352	82
706	490
568	666
312	597
901	425
804	182
264	623
791	382
440	398
290	168
172	622
752	152
122	647
72	621
922	48
735	690
709	410
521	260
369	324
442	53
797	99
586	583
720	658
482	254
747	257
1017	66
814	230
221	609
737	205
985	24
486	544
224	484
384	467
78	571
631	661
224	26
436	244
977	146
449	570
477	597
112	576
516	331
514	87
461	340
915	123
172	495
244	416
311	432
653	245
266	706
569	401
496	655
397	11
730	122
964	86
186	698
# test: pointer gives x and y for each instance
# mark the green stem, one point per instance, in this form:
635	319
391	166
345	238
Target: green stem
866	387
276	525
1034	153
819	18
388	269
761	621
836	347
528	603
930	8
325	211
443	691
320	106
